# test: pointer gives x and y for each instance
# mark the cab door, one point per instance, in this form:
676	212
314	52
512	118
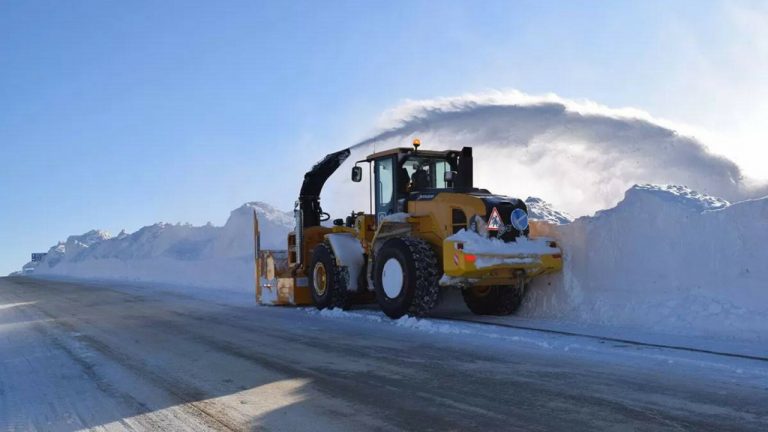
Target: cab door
384	185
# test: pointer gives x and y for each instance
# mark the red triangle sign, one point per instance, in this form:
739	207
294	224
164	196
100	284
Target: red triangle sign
494	222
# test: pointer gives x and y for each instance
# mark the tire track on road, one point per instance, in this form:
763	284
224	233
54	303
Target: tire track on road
189	397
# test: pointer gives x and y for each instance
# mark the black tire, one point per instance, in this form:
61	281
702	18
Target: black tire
418	265
493	300
327	281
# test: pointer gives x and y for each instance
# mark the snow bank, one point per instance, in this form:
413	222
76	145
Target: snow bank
196	256
664	259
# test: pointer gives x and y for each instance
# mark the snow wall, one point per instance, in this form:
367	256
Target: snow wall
665	259
205	256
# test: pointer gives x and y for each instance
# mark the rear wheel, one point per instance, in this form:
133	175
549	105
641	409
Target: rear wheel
327	281
405	277
494	300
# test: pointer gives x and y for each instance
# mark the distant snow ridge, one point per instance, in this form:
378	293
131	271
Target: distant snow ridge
681	195
205	256
665	259
538	209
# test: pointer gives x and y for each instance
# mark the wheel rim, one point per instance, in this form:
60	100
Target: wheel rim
320	279
392	278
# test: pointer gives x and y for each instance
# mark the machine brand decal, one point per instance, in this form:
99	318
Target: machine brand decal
494	222
519	219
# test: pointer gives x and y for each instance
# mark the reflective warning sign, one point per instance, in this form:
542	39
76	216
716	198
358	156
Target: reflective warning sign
494	222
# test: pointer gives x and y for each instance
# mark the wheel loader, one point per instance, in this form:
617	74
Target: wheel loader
428	229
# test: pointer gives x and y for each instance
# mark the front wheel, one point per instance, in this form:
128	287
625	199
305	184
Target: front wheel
405	277
327	281
494	300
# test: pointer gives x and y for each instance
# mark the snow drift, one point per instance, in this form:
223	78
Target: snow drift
205	256
665	259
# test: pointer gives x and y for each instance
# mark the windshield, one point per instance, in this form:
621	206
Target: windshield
427	173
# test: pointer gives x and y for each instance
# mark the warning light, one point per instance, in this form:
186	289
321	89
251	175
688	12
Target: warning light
470	258
416	143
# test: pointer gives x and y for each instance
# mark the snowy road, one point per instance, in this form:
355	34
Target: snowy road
76	356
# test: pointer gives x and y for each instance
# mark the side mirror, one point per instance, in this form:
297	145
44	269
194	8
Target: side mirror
449	176
357	174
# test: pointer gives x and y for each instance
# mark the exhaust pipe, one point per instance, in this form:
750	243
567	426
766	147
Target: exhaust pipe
465	179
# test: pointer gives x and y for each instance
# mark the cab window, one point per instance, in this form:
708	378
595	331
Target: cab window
426	173
385	182
441	167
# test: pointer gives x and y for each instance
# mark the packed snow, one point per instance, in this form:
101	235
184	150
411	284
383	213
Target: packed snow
493	251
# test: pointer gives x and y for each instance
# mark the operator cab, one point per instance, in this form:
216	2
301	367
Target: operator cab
404	174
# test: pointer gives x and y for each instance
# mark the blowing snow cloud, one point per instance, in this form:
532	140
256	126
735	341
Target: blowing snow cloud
580	156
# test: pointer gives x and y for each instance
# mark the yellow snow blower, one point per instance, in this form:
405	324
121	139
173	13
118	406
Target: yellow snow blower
430	229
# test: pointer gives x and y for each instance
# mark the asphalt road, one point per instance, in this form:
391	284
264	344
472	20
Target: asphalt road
76	356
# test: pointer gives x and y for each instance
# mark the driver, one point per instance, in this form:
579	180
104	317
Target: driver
420	179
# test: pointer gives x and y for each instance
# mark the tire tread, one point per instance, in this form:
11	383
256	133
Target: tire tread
339	294
427	289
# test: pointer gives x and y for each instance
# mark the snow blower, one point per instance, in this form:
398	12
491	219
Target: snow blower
429	229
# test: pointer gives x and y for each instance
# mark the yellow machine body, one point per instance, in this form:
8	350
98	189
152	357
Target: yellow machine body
282	282
282	276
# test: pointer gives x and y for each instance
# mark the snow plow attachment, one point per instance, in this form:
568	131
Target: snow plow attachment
472	259
275	284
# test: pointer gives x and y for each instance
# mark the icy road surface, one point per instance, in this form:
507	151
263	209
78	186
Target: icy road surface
76	356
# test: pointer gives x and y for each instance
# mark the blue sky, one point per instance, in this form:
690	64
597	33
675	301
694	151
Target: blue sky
120	114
